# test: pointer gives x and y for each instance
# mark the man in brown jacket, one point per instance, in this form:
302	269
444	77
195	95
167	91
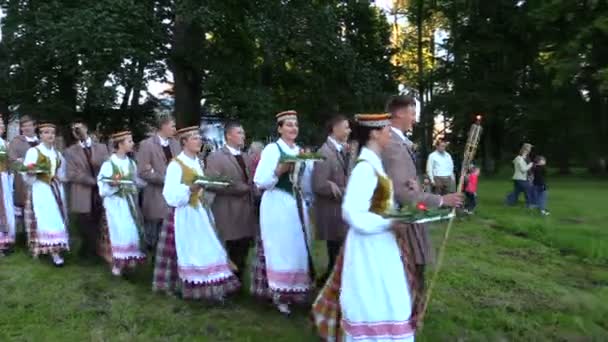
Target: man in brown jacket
329	180
153	156
16	152
233	206
83	160
399	163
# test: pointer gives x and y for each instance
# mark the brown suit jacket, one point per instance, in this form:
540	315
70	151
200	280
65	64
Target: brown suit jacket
233	206
151	167
82	183
16	153
401	168
328	208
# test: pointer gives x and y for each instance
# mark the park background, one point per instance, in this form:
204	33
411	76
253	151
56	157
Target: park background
536	70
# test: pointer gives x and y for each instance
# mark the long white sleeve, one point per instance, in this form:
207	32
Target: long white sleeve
31	157
62	171
357	201
105	189
307	181
140	183
176	194
429	168
265	177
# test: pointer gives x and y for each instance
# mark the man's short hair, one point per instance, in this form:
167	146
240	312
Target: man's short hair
333	121
163	120
399	101
230	125
26	118
79	121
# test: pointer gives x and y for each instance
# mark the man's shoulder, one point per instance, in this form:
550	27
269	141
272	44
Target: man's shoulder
148	140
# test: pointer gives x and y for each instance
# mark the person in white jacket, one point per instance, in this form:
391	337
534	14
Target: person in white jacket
521	183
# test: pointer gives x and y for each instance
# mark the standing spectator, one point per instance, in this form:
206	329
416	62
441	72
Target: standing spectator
470	190
440	169
520	177
539	185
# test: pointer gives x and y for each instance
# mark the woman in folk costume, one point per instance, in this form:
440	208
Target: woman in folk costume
45	211
7	209
117	182
367	297
282	266
189	255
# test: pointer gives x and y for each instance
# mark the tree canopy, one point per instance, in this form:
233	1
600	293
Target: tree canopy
537	71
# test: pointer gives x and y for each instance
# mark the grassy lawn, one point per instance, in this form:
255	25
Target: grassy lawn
509	274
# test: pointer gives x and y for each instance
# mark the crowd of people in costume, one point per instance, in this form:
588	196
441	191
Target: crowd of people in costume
199	236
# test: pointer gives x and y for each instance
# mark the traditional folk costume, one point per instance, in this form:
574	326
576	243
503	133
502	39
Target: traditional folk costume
45	211
17	149
367	297
233	206
7	210
122	214
83	161
153	156
189	255
282	266
400	165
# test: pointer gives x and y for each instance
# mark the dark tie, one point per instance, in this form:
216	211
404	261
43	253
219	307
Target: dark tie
345	159
241	161
168	154
88	154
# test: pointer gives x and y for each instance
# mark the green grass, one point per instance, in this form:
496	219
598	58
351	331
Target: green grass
509	274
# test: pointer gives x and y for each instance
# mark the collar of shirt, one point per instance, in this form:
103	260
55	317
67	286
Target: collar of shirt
288	149
86	143
233	151
193	163
163	142
338	146
402	136
31	139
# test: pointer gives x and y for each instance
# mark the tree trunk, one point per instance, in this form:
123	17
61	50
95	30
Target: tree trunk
187	75
124	104
426	140
139	84
67	95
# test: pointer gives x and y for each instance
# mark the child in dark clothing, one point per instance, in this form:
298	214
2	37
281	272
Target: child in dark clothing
470	190
539	184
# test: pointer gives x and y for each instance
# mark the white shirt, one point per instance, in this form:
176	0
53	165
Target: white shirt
163	142
439	165
31	139
233	151
86	143
338	146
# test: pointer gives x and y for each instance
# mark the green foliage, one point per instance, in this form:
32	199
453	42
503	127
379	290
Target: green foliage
536	70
